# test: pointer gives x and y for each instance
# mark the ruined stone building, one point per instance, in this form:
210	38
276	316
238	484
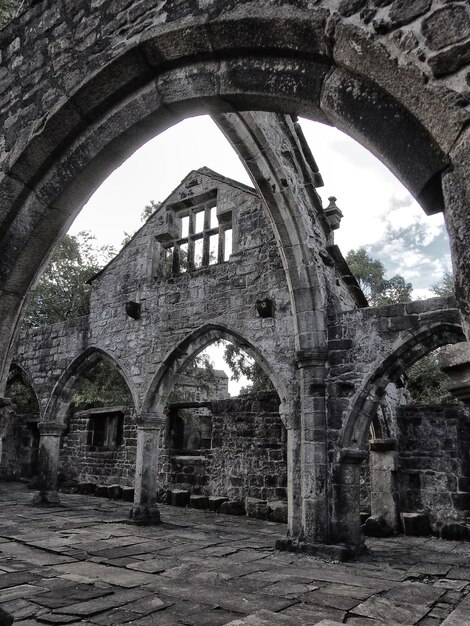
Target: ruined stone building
204	267
86	83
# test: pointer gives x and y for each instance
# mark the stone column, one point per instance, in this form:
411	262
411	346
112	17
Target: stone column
311	529
48	463
145	509
346	527
383	496
7	410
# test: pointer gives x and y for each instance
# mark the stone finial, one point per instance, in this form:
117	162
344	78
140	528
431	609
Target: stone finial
333	214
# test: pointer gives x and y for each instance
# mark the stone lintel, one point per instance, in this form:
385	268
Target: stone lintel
335	552
51	429
352	456
382	445
145	515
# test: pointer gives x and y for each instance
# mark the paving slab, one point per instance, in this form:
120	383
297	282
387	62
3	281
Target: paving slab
83	563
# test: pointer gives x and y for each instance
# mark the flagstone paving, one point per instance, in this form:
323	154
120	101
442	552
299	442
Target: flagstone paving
83	563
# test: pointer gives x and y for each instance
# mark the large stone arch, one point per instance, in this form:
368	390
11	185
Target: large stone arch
139	72
366	400
164	380
58	404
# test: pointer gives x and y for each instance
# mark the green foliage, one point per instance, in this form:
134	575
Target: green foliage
62	292
8	10
370	274
147	211
102	385
427	383
242	365
201	369
444	286
23	396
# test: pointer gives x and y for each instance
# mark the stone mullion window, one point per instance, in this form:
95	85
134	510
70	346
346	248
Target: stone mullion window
221	250
202	240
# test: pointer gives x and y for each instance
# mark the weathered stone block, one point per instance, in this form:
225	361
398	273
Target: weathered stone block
278	511
179	497
86	488
232	507
415	523
114	492
199	502
376	526
128	494
101	491
256	508
215	502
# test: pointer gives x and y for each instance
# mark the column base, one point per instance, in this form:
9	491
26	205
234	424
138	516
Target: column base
330	552
46	498
145	515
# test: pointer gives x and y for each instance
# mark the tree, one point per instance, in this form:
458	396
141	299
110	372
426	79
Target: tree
62	292
8	10
427	384
444	286
370	274
242	365
102	385
148	210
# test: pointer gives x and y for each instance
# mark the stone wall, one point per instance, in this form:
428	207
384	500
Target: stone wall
249	448
433	462
82	462
247	458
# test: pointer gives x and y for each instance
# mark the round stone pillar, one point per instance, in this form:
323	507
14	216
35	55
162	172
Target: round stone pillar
7	410
145	509
48	463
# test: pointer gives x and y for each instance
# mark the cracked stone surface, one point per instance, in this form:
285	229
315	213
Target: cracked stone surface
83	563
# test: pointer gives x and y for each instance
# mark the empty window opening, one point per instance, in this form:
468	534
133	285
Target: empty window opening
105	430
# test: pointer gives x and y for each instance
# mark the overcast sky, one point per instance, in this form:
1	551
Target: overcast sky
379	213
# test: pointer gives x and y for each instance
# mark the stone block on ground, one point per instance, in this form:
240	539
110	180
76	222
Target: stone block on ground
101	491
415	524
198	502
86	488
278	511
179	497
376	526
454	531
256	508
128	494
215	502
114	492
232	507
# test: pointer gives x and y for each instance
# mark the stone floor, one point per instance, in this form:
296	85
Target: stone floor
83	563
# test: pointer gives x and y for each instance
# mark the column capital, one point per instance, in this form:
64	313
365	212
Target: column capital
351	456
51	429
150	421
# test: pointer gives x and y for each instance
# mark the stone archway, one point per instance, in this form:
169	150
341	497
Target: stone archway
58	404
136	73
352	442
157	395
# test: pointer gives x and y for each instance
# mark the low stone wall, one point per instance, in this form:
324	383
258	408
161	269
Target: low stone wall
433	462
82	462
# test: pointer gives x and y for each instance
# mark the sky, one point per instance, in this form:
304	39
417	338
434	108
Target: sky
379	213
